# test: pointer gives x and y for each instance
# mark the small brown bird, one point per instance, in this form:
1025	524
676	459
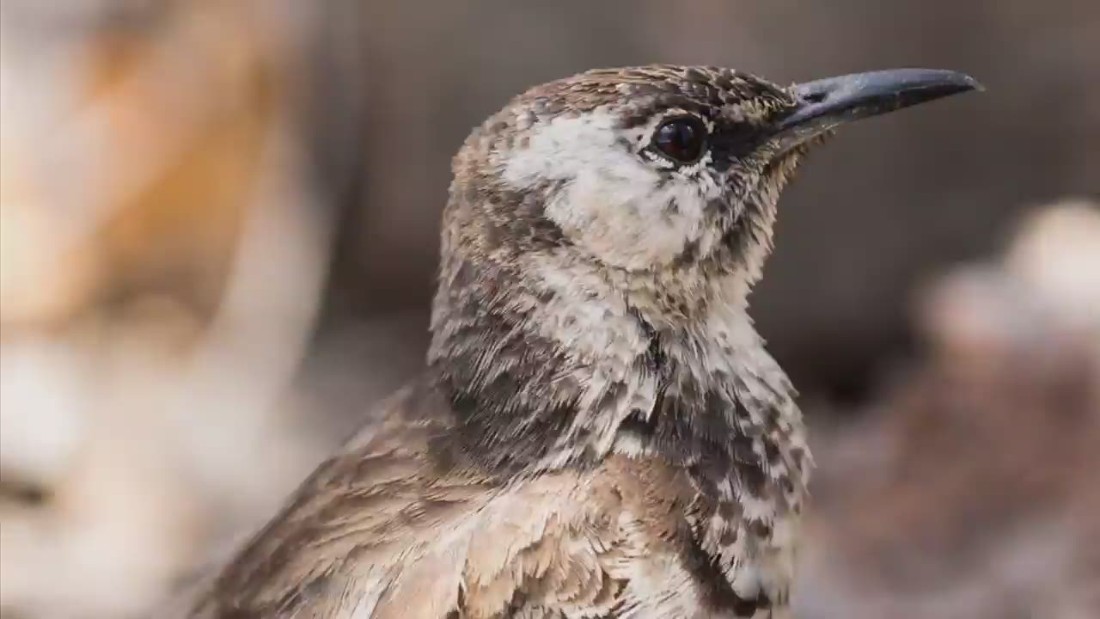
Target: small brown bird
599	432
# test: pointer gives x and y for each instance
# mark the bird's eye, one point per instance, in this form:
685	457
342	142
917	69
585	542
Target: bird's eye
681	139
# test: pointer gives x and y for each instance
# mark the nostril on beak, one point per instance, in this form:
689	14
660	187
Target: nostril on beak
815	97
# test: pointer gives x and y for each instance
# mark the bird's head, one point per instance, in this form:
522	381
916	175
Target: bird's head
601	237
655	169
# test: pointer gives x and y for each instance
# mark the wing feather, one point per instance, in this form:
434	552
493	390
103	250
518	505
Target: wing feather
396	527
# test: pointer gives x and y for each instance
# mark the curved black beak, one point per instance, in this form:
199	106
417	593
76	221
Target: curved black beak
824	104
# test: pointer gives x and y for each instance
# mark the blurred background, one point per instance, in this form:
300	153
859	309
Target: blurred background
218	232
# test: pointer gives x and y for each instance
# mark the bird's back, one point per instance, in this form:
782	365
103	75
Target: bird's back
396	526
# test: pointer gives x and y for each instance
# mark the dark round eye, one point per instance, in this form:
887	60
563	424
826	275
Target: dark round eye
681	139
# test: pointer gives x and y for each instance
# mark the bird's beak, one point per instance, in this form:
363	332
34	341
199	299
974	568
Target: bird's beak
824	104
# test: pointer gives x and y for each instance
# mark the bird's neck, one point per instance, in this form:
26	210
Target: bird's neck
554	363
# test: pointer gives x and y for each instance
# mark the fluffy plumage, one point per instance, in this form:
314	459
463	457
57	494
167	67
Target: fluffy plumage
599	432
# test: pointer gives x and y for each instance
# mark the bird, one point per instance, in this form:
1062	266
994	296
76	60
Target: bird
599	430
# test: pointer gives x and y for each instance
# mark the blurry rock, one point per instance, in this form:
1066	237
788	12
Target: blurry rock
117	517
44	276
161	255
131	149
984	502
37	449
1056	256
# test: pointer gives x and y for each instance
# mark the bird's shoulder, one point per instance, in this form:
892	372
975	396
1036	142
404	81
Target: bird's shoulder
388	489
395	525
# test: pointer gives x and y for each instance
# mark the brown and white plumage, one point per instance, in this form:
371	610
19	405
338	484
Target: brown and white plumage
599	432
378	531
